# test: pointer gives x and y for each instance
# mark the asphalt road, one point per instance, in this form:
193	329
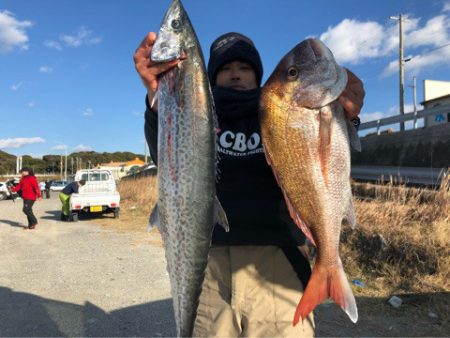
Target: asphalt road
79	279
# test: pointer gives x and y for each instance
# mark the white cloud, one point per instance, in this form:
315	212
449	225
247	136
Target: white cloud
59	147
31	104
45	69
434	32
82	37
12	32
16	86
88	112
366	117
82	147
353	41
52	44
19	142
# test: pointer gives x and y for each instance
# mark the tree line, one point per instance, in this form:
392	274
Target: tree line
52	164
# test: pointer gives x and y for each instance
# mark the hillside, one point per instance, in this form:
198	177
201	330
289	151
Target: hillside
52	163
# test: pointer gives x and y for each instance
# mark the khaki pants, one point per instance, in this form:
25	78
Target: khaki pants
250	291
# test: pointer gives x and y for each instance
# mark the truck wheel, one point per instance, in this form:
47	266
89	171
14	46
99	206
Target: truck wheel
2	196
74	217
116	213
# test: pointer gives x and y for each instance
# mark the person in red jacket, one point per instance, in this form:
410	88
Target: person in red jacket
29	187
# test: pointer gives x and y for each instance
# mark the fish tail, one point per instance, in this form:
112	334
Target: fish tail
327	283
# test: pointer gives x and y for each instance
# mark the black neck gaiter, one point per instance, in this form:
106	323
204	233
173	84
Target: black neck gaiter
232	104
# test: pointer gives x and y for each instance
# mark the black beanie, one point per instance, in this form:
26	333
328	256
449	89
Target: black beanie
231	47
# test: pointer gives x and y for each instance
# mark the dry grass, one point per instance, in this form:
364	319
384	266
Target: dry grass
402	234
137	198
401	243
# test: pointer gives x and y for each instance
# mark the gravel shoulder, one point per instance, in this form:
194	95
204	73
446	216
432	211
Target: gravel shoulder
79	279
98	278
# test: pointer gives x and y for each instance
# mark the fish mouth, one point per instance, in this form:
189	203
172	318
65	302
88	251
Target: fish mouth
319	50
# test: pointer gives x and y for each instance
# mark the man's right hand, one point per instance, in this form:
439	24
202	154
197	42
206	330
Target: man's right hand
147	69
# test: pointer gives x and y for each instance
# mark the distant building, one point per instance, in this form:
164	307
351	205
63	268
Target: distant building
436	93
120	169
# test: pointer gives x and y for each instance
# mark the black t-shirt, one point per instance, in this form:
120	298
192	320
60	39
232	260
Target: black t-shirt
246	186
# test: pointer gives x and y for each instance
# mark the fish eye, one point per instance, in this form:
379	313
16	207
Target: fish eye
176	24
292	73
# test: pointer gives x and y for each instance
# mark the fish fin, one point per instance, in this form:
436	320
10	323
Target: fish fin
326	118
154	100
327	283
304	227
355	142
154	218
350	216
220	216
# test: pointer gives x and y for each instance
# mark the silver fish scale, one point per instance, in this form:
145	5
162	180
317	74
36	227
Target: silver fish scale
186	181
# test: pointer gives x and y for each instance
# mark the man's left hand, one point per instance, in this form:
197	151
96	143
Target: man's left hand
352	98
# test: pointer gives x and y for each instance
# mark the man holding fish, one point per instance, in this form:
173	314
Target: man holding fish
255	273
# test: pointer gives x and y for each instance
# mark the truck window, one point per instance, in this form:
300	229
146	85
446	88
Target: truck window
95	177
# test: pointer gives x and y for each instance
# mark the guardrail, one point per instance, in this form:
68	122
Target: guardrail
400	175
442	109
150	171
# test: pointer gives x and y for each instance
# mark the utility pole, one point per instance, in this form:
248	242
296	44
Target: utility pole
414	87
400	65
71	170
61	168
65	165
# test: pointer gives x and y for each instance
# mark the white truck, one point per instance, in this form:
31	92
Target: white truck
98	196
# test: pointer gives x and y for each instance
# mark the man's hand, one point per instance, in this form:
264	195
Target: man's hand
147	69
352	98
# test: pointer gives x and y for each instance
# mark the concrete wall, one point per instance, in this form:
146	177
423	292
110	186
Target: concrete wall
432	91
426	147
438	118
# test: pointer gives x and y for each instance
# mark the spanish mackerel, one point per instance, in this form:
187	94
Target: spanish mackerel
187	208
306	140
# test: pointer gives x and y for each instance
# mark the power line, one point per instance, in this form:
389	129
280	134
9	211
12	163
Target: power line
427	52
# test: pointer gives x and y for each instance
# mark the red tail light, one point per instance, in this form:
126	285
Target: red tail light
113	205
77	206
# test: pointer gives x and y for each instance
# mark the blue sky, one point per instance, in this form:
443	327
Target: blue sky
67	76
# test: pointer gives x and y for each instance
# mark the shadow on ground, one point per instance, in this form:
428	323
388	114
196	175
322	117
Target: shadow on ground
12	223
23	314
56	216
379	319
52	214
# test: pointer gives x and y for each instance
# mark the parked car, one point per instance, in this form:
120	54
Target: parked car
98	196
57	185
4	192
